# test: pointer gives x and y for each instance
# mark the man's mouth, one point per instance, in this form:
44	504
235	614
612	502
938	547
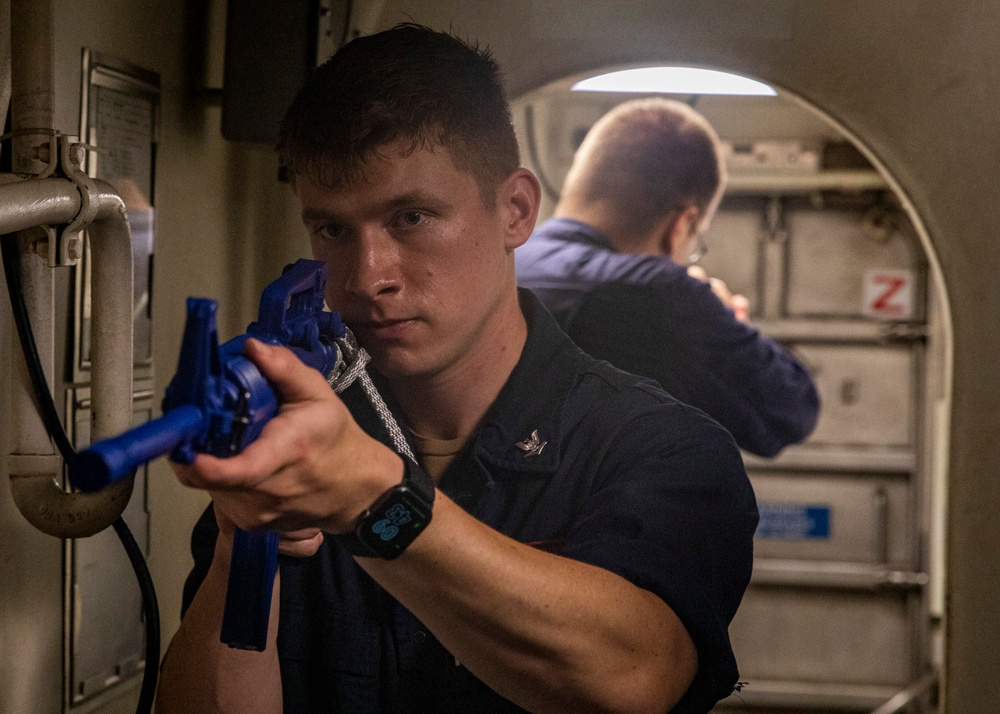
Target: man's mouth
385	329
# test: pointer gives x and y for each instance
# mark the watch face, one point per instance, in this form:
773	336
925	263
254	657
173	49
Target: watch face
394	522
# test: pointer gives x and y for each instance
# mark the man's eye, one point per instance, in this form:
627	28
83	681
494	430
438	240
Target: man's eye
331	231
411	218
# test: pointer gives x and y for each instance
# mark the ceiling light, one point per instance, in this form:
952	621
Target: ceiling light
674	80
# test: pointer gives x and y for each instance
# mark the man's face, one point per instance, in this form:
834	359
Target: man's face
417	265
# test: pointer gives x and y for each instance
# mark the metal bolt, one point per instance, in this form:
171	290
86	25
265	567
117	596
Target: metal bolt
41	248
74	248
77	152
41	153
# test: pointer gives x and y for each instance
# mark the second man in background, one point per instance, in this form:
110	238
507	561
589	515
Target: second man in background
612	267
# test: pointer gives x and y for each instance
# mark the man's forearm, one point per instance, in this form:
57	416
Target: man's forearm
547	632
202	675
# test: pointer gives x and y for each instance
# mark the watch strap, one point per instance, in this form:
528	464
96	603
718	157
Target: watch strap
419	480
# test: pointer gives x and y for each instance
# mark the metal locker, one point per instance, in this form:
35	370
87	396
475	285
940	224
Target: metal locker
833	619
830	252
866	392
826	636
856	518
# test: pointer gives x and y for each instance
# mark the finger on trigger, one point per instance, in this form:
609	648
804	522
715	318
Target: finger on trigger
237	472
294	379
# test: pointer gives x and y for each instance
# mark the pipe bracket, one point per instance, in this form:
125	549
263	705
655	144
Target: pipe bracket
69	246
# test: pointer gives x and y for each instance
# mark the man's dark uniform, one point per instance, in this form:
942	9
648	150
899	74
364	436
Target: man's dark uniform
574	457
646	315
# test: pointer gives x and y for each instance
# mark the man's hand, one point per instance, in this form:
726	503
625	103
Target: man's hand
311	469
298	544
737	303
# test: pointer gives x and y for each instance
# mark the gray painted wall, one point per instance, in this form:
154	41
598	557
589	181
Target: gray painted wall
225	227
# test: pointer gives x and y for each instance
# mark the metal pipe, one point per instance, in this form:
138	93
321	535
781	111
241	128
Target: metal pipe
32	114
4	62
28	203
111	316
32	470
31	70
25	203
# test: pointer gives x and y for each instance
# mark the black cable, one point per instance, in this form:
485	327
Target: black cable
53	424
152	610
43	398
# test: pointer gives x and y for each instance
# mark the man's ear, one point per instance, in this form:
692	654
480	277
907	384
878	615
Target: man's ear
517	202
678	239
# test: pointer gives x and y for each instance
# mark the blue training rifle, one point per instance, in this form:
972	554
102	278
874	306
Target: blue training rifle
218	403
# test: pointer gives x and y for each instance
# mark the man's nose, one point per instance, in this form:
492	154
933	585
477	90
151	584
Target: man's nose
374	268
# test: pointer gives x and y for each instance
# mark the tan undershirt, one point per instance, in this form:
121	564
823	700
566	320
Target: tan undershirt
436	454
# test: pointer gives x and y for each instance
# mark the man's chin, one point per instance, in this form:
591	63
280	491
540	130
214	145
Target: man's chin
396	365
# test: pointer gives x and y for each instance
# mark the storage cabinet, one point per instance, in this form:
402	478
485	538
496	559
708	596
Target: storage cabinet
835	618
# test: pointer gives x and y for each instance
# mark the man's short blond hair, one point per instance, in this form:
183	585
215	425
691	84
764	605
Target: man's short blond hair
645	158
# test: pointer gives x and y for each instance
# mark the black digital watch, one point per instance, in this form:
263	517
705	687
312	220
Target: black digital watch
398	516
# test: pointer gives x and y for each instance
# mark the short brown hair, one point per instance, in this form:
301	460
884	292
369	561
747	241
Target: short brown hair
645	158
411	83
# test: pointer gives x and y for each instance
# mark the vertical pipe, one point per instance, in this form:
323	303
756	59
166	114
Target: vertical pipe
32	95
37	591
111	321
35	596
31	106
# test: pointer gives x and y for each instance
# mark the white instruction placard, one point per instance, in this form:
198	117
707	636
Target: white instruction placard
888	294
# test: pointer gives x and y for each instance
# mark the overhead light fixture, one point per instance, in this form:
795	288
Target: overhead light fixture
675	80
